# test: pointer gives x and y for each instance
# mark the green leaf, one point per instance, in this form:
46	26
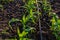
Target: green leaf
31	13
24	19
12	20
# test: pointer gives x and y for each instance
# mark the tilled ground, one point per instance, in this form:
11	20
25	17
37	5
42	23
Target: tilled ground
14	10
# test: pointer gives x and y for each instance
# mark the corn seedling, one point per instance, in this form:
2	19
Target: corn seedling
25	19
55	21
21	35
25	31
56	26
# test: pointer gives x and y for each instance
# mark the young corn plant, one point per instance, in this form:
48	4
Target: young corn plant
29	17
55	26
25	30
25	19
46	7
20	35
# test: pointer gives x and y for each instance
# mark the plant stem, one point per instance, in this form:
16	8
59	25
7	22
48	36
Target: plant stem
39	19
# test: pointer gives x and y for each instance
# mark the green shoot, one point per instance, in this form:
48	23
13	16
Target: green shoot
56	26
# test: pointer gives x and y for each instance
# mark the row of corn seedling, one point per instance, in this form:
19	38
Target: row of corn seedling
46	8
